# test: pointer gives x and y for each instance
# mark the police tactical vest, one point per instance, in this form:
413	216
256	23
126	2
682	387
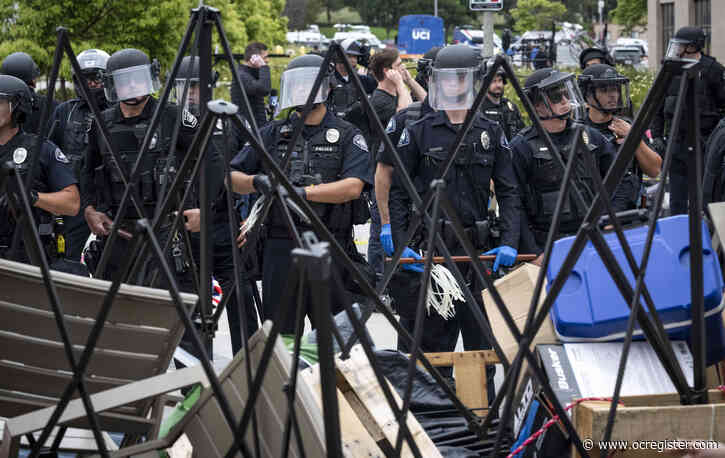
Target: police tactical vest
128	140
503	115
13	152
314	161
343	95
75	136
547	178
709	115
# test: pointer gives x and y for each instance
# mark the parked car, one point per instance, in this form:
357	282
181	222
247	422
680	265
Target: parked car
628	55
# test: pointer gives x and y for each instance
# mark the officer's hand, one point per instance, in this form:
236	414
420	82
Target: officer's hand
386	239
98	222
409	253
262	184
505	256
620	128
193	220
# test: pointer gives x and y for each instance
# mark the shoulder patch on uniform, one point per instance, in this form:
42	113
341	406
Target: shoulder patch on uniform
359	141
60	157
404	138
390	128
504	141
189	120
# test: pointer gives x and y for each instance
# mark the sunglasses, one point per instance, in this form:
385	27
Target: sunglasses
557	95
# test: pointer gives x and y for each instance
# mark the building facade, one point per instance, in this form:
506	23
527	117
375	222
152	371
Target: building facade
664	17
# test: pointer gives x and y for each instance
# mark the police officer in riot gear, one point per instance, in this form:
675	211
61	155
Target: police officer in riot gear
21	65
559	104
606	94
687	45
54	190
71	123
188	75
329	168
385	181
128	84
424	147
593	56
344	93
498	108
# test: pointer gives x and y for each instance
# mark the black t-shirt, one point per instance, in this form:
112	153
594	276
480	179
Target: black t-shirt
385	106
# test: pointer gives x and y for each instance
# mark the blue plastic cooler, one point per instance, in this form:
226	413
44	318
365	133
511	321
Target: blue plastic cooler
590	307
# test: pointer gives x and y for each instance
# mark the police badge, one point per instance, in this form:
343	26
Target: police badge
585	138
511	105
485	140
332	135
19	155
154	140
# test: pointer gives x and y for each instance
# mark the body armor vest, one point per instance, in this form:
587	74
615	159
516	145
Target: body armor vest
75	136
44	219
546	181
343	95
709	115
154	173
504	116
314	161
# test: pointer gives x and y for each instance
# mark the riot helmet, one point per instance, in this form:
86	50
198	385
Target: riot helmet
297	81
130	75
425	66
93	67
590	54
455	78
188	70
15	99
604	88
20	65
687	40
357	48
554	94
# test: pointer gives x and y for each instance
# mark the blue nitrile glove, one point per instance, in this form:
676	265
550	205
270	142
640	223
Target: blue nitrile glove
505	256
409	253
386	239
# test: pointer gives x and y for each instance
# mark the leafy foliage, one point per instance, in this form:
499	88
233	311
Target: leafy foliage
631	13
536	14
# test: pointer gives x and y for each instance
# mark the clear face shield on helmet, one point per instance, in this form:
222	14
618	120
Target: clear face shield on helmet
453	88
191	101
560	100
295	86
609	96
677	48
130	83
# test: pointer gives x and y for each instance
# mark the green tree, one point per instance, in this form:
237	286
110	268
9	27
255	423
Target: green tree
631	13
536	14
154	27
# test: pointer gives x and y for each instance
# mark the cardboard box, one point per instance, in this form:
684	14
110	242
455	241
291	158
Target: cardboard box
516	290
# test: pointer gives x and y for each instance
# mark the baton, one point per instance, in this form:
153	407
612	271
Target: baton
441	259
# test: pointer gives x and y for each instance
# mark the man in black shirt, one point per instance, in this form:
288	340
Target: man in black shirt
498	108
254	73
391	96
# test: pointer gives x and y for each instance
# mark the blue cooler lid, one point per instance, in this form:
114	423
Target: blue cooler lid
590	307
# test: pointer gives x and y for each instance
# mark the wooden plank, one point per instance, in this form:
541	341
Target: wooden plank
48	354
203	440
651	423
447	359
360	376
356	442
470	372
32	322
